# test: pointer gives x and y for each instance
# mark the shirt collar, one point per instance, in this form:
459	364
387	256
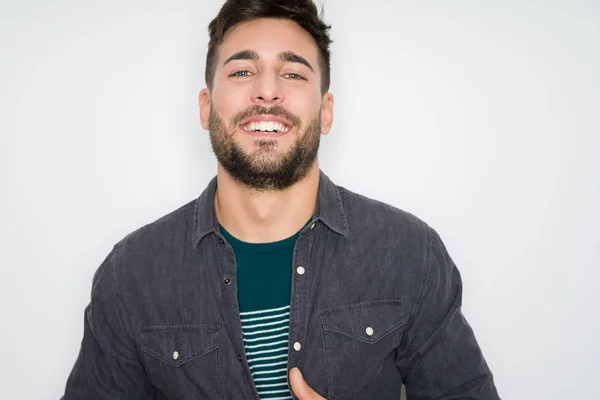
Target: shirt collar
329	210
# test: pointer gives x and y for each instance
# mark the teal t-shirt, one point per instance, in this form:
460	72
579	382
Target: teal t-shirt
264	278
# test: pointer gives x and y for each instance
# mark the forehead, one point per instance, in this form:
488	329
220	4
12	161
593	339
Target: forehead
268	37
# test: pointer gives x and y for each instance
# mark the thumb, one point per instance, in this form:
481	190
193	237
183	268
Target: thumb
300	387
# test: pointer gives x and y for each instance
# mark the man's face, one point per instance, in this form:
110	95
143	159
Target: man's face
266	112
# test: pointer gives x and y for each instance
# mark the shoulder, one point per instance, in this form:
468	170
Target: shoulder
374	216
169	226
383	226
164	237
146	250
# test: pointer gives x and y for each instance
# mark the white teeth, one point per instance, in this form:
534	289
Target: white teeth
279	127
266	126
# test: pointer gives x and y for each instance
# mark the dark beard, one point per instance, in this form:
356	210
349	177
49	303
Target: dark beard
261	170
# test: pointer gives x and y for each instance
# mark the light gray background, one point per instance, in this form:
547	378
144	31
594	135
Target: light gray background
480	117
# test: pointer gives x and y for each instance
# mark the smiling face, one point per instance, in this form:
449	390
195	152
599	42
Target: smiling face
266	112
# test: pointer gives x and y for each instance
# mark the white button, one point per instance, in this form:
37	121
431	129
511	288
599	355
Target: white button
300	270
175	355
369	331
297	346
312	226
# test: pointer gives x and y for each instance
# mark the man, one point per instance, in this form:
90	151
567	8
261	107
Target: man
275	281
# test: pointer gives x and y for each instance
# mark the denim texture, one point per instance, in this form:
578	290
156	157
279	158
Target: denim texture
379	305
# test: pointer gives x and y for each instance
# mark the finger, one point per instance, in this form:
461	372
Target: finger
300	387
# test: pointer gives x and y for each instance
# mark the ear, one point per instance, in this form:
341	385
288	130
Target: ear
204	107
326	113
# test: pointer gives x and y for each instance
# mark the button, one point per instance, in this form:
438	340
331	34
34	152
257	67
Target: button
175	355
297	346
240	357
300	270
312	226
227	281
221	241
369	331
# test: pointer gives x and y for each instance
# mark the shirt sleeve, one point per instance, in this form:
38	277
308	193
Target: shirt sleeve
440	358
108	366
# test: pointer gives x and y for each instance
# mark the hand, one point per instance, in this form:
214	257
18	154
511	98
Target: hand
300	388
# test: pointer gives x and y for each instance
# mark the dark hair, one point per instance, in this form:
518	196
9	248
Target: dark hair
303	12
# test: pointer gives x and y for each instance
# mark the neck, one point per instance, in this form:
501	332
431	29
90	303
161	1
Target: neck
262	217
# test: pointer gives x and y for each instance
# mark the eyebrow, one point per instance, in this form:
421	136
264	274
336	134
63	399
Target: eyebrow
286	56
243	55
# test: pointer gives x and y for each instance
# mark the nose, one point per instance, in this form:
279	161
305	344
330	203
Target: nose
267	90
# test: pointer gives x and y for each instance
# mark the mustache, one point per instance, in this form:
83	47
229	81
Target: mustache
278	111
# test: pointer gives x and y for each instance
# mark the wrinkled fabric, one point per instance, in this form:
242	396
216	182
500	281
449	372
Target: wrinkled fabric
378	306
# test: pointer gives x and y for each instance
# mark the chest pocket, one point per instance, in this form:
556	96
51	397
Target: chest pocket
183	359
358	339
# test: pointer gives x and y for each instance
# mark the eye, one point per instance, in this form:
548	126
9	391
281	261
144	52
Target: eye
294	76
242	73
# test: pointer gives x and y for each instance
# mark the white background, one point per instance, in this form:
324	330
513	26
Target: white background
480	117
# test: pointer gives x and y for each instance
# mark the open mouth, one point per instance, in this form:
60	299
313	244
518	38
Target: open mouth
266	127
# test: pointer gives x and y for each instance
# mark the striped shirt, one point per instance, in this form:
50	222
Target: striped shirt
266	343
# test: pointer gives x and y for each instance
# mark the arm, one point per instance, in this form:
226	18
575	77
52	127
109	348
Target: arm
108	366
440	358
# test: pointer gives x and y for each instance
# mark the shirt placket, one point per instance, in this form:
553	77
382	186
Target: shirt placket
227	266
303	282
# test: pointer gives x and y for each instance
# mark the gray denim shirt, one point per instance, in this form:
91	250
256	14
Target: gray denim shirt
378	305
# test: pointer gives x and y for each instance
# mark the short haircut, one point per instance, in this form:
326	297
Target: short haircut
302	12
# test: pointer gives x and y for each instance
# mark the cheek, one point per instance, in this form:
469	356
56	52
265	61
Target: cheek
304	105
229	101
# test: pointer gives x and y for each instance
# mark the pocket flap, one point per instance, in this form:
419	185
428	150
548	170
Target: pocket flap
367	321
178	344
